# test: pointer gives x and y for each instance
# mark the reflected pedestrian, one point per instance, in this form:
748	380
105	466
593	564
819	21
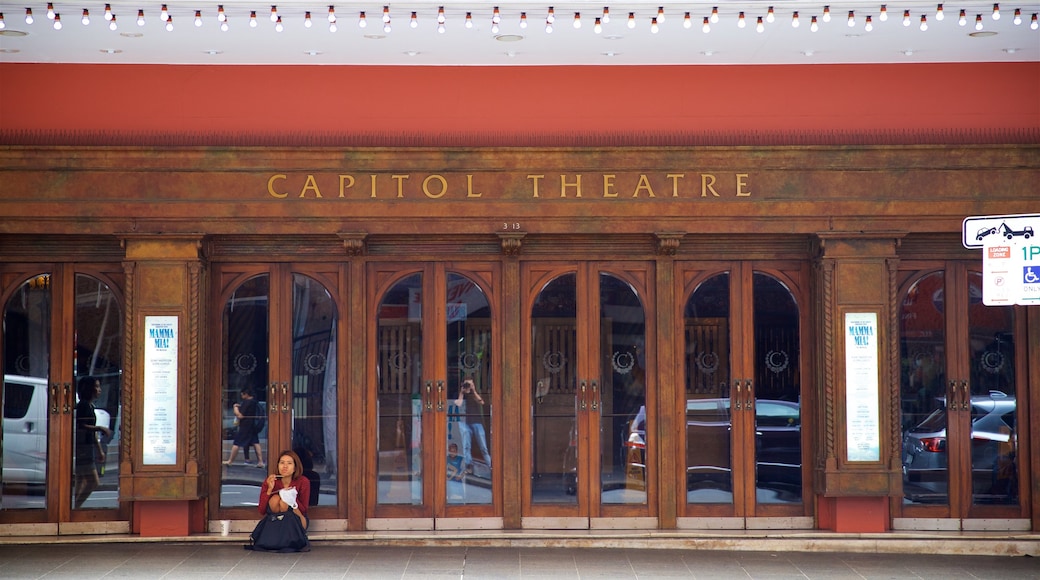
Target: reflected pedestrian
88	450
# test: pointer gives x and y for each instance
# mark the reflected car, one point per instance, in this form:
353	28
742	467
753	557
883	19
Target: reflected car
25	430
778	450
993	448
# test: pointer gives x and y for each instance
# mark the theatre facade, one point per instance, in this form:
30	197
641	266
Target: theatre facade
658	338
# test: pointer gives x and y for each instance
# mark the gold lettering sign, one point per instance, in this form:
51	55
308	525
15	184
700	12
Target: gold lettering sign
644	186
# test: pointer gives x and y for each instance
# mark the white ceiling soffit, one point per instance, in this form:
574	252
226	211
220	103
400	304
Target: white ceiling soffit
892	39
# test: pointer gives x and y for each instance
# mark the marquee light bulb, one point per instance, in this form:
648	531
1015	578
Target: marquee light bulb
826	13
631	19
1018	16
939	14
770	16
869	25
108	12
50	11
86	17
548	27
3	24
496	16
28	16
386	27
715	15
794	20
813	26
307	19
924	23
597	25
169	23
687	23
653	25
198	18
660	14
112	23
57	21
551	16
440	28
978	22
413	21
884	13
362	21
759	26
1033	25
906	18
252	19
274	14
221	16
386	14
224	26
740	21
469	20
577	20
523	20
996	12
606	15
963	18
164	14
852	19
440	15
332	13
278	25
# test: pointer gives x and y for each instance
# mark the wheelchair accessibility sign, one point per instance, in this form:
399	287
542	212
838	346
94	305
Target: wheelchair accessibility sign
1011	272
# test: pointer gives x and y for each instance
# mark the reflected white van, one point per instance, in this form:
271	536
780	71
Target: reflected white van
24	446
25	430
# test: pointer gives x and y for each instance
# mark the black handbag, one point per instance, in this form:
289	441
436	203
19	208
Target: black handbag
282	532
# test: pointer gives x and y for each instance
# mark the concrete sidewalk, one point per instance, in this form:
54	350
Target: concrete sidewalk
333	559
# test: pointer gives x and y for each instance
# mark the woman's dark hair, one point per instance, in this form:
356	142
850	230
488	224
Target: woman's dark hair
297	464
85	387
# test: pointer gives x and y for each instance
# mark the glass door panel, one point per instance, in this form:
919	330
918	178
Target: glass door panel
468	359
99	372
994	437
244	394
399	404
623	447
554	356
314	387
777	392
709	439
28	406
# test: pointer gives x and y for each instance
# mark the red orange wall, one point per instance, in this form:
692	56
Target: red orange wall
520	100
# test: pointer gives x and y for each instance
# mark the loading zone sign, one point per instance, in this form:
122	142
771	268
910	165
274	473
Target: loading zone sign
1011	272
1010	257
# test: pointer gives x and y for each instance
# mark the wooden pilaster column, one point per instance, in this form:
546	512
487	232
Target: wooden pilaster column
667	384
512	397
164	277
854	274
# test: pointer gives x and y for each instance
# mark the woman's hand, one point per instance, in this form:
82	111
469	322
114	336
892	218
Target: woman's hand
270	483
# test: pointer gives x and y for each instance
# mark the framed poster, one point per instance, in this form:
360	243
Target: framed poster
862	413
159	420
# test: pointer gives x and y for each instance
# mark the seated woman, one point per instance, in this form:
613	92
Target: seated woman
283	503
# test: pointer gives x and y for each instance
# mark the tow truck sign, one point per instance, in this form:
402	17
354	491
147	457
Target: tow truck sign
1010	257
976	231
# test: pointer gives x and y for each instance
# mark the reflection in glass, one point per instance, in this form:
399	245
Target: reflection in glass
554	442
398	377
922	352
994	439
314	386
27	339
623	417
99	348
468	333
778	425
244	371
709	477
